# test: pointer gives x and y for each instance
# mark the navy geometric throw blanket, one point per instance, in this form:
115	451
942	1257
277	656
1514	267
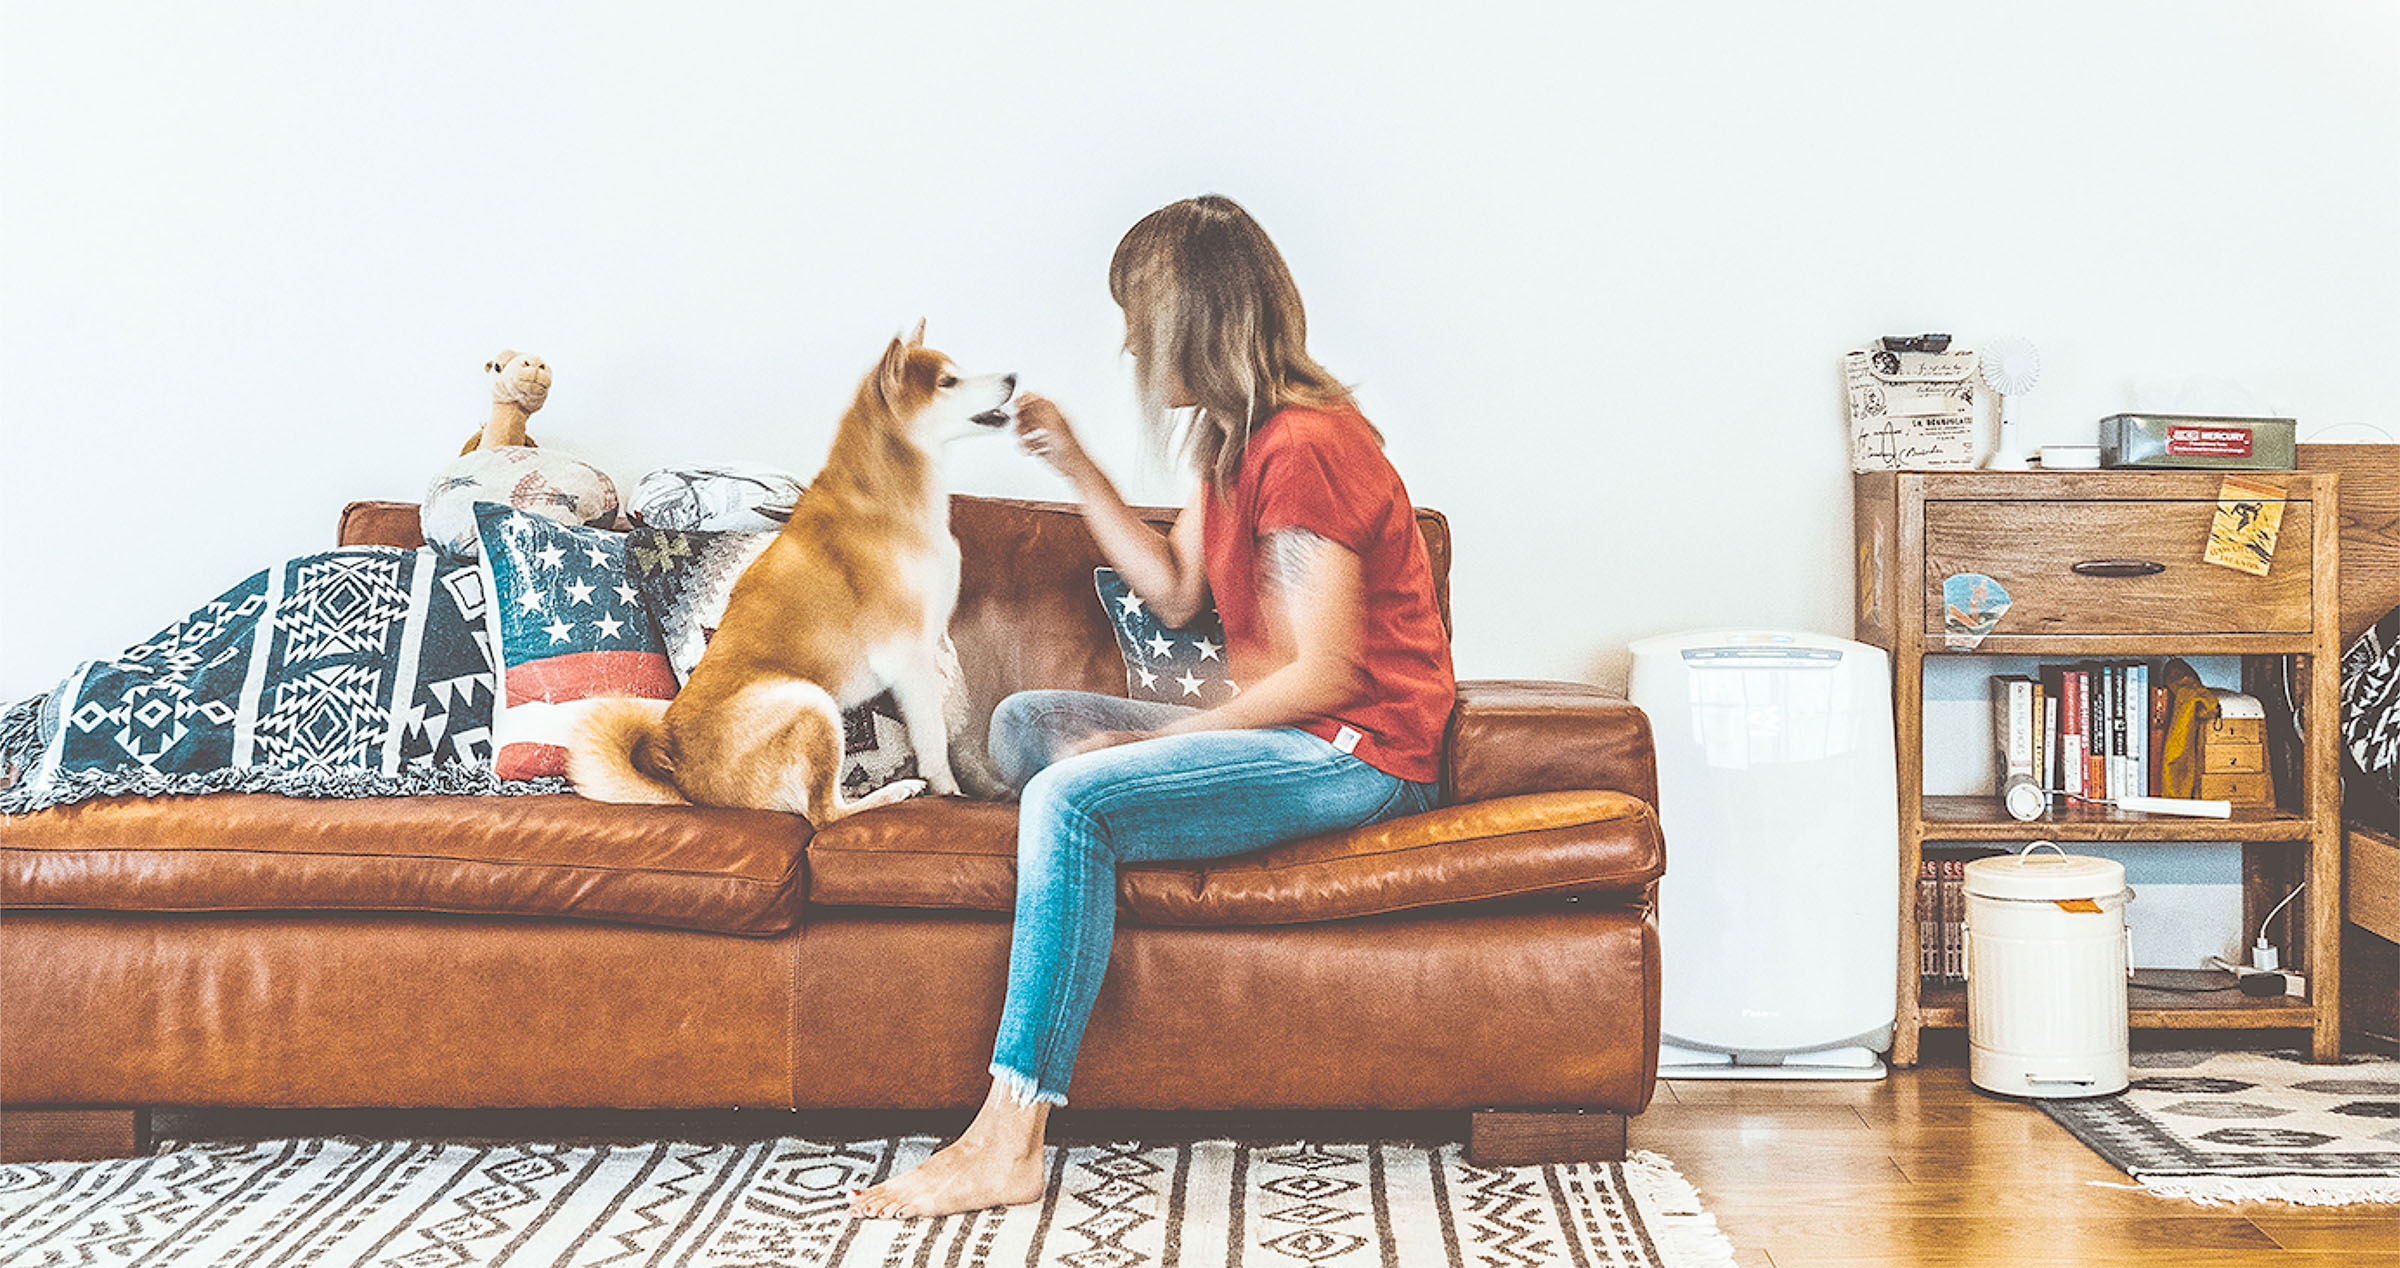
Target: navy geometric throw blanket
356	672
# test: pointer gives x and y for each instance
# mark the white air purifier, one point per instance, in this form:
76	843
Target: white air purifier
1778	917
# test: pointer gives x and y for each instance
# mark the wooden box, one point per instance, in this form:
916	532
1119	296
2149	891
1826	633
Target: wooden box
2233	762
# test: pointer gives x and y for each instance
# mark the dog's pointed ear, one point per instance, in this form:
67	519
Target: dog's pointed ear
916	338
894	366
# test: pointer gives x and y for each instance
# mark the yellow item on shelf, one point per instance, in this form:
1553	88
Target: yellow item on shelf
2191	707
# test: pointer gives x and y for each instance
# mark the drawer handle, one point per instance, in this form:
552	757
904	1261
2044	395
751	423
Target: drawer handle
2118	568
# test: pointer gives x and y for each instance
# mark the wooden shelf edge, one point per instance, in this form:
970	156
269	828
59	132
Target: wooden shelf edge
2135	646
1980	819
2154	1010
2301	1018
2147	484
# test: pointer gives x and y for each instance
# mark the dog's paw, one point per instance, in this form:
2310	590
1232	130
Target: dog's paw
903	789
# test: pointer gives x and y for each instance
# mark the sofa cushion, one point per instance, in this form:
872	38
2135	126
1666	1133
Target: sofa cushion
1167	664
960	854
567	628
727	871
539	482
723	497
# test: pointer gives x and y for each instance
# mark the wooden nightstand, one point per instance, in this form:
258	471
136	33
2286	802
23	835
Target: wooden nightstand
2029	530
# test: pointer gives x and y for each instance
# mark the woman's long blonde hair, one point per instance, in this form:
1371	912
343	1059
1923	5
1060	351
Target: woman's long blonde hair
1214	322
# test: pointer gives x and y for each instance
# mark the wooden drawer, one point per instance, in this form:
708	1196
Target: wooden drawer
2032	548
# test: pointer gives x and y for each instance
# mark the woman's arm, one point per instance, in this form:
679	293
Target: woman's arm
1165	571
1316	604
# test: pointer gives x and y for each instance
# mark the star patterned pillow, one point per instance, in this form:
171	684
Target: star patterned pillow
1163	663
570	628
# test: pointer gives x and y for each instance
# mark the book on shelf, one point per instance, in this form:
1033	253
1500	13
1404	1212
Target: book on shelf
2050	739
2014	726
2096	690
1929	919
2074	737
1954	920
2137	733
2112	706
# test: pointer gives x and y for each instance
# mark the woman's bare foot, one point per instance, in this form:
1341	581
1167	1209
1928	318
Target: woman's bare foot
966	1176
998	1162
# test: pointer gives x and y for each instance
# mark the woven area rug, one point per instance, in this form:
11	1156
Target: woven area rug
419	1204
2249	1126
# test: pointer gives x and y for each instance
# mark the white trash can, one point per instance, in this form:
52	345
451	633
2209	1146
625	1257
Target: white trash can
2046	968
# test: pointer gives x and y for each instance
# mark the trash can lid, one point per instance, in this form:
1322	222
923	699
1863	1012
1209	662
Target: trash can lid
2038	876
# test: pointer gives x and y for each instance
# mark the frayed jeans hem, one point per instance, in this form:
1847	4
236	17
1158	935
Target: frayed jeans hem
1024	1089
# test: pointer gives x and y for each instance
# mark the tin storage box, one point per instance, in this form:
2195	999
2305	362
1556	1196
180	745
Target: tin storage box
2190	440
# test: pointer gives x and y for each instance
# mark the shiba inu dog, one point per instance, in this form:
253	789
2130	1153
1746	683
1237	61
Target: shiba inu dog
854	596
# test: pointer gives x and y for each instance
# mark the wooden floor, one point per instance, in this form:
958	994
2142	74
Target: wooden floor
1921	1170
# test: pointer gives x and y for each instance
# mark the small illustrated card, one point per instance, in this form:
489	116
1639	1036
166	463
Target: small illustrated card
2249	515
1972	605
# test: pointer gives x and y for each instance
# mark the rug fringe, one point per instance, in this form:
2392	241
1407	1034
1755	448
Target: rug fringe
1687	1236
2294	1190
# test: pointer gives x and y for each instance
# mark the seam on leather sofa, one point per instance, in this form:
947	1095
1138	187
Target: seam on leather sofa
347	857
418	909
1490	896
344	856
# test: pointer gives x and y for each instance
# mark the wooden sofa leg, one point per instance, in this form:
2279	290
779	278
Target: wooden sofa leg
1517	1138
72	1135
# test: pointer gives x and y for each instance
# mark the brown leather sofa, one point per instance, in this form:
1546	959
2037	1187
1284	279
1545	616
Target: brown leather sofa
1497	955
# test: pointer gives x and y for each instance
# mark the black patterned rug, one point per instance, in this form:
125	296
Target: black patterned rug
427	1204
2249	1126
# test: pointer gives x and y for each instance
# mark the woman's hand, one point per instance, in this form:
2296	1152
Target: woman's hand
1046	434
1098	740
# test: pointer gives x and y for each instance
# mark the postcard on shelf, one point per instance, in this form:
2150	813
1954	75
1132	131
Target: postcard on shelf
2249	516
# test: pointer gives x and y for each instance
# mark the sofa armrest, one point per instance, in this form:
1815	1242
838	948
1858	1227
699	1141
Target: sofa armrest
1510	737
381	524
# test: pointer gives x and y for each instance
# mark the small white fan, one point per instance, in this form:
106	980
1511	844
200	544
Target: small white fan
2011	366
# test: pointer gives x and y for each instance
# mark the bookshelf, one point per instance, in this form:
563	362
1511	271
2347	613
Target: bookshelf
2029	530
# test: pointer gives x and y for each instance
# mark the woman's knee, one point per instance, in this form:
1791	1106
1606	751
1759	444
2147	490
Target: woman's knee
1056	811
1019	742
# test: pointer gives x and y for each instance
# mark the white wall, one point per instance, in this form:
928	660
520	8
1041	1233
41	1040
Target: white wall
1591	266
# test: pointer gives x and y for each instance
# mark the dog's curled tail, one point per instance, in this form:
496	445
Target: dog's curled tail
617	752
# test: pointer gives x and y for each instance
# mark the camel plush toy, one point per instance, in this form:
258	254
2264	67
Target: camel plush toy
502	465
520	383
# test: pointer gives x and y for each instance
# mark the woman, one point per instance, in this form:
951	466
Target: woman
1303	535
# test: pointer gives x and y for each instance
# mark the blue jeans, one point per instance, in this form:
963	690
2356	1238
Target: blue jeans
1175	798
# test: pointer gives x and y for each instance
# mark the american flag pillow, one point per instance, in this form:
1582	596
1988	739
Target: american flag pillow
1164	663
568	626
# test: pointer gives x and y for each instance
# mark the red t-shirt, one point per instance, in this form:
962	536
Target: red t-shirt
1324	471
